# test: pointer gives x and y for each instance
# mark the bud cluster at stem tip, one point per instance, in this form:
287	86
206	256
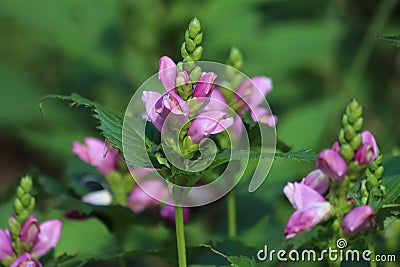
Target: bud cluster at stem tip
192	51
350	134
24	205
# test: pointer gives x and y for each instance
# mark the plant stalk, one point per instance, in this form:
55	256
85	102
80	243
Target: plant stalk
231	213
180	236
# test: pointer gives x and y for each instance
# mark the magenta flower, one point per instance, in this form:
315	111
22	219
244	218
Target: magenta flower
160	106
5	245
26	260
167	72
318	181
168	212
311	208
358	219
141	196
205	85
96	153
44	237
368	150
30	230
332	164
207	123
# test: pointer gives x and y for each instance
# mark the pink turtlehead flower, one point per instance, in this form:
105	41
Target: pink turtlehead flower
368	150
96	153
30	230
141	196
318	181
311	208
26	260
167	72
332	164
160	106
168	212
207	123
205	85
358	219
43	237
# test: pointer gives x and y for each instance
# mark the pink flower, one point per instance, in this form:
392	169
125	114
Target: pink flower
96	153
26	260
30	230
43	238
332	164
141	196
205	85
167	72
358	219
207	123
160	106
368	150
311	208
217	102
5	245
168	212
318	181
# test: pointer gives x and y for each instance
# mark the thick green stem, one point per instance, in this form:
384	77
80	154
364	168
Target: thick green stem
180	236
231	212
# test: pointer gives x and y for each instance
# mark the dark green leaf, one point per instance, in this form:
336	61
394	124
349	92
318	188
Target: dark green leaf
393	39
111	123
62	259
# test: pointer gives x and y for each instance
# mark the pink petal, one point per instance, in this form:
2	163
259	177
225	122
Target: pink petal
5	245
167	72
25	260
332	164
30	230
49	236
358	219
302	196
305	219
81	150
205	85
142	196
262	115
318	181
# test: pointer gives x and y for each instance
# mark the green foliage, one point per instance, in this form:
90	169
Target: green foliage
392	39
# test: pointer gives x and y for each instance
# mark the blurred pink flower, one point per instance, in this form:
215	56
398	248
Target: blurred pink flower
5	245
25	260
318	181
141	196
168	212
96	153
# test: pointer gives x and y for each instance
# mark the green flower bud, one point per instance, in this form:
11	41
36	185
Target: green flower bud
189	64
379	172
18	207
235	58
347	152
198	39
372	182
26	200
345	120
20	192
356	142
358	124
197	53
349	133
353	105
195	74
26	183
184	53
341	138
379	160
358	111
352	118
190	45
194	28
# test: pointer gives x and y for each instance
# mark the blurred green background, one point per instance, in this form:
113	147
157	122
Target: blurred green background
318	53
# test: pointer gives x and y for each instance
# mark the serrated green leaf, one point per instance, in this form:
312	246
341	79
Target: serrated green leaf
111	123
393	39
236	261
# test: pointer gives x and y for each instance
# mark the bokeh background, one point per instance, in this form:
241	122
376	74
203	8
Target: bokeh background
319	54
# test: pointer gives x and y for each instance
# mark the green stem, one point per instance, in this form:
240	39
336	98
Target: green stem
231	206
180	236
371	247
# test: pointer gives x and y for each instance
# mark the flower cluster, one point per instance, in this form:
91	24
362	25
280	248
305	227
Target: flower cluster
325	192
120	188
26	240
